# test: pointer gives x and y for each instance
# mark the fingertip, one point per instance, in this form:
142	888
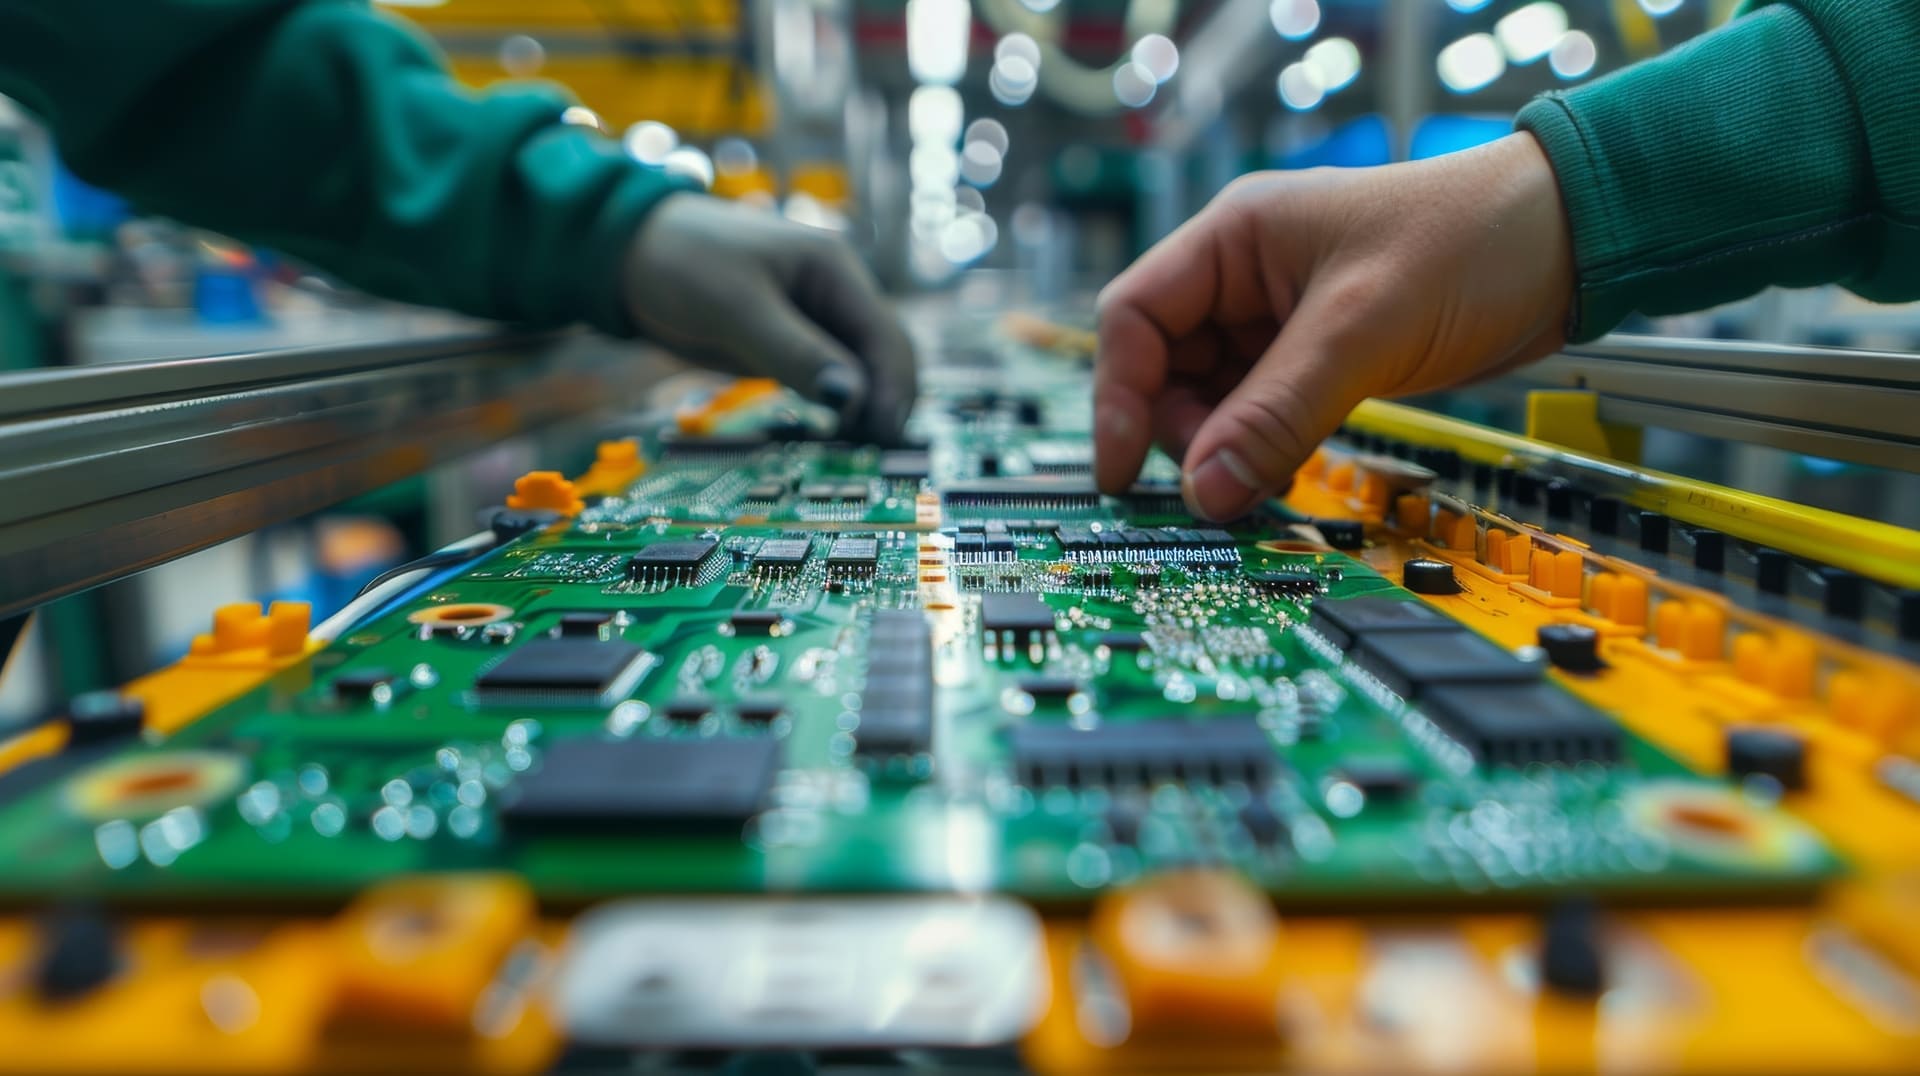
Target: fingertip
1119	440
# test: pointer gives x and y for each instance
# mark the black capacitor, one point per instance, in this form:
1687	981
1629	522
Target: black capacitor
1342	533
79	953
1527	489
1653	532
1770	571
1424	576
989	465
1573	647
1603	515
1906	614
1572	961
1768	752
1559	500
100	716
1845	596
1709	550
1028	412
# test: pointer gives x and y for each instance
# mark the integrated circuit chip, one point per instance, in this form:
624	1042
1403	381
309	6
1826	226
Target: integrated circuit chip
677	560
1213	751
854	556
565	671
1409	662
782	554
754	621
1343	622
639	785
1024	615
896	706
1519	724
904	465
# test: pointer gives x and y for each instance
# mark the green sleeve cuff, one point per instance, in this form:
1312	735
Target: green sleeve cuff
1734	162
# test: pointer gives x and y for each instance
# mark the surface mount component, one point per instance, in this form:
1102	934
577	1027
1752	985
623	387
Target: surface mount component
1212	751
1521	724
1343	622
673	561
590	784
782	554
896	706
565	671
1410	662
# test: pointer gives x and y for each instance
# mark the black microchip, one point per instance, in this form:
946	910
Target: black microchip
754	621
904	465
1342	533
1214	751
850	491
854	554
766	491
1049	687
1380	779
820	491
585	625
1409	662
622	784
688	708
759	708
1342	622
361	683
676	560
1286	582
1518	724
782	554
578	670
1022	614
1128	641
896	705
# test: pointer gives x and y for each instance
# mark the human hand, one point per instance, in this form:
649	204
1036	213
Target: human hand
748	293
1242	340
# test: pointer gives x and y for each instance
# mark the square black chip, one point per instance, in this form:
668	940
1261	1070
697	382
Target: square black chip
642	784
567	670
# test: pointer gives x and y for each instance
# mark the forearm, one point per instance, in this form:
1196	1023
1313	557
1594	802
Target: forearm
332	133
1767	153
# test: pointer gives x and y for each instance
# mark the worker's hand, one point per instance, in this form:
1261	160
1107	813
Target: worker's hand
749	293
1243	339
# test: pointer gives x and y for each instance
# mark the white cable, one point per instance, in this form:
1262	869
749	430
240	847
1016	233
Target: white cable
336	625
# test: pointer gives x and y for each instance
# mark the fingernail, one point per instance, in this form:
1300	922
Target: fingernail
835	387
1221	488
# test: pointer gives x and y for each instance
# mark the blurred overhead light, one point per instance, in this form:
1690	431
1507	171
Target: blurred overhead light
1158	55
1300	87
1573	56
968	200
990	131
1657	8
1012	81
1336	60
582	116
1133	84
933	164
937	33
969	237
734	157
649	142
980	164
1466	5
689	162
521	56
1295	19
1041	6
1530	32
1471	63
1021	45
934	114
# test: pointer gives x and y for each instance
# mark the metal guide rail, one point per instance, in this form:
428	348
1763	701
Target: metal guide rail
106	470
936	755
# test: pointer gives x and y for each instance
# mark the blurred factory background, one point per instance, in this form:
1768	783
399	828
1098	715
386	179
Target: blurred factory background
1033	145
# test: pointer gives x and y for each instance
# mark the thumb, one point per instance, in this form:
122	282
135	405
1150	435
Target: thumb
1295	396
787	345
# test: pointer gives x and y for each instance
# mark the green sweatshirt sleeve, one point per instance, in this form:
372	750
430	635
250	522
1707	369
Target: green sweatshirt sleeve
1781	149
333	133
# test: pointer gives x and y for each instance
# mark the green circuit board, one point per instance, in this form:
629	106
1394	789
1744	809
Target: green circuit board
765	667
